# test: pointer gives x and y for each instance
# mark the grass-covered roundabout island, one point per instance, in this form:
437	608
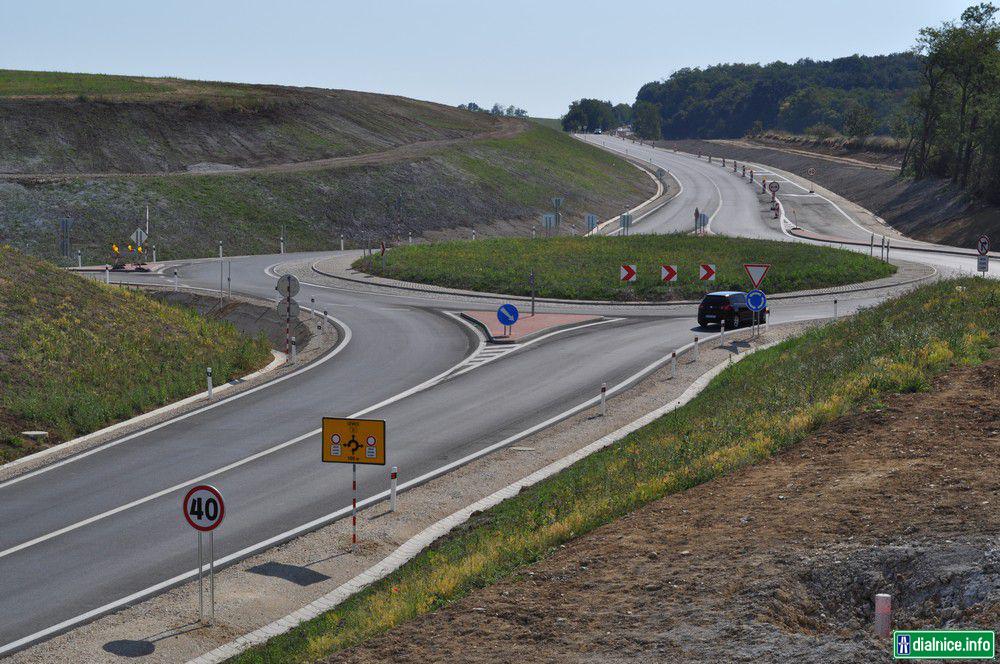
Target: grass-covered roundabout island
587	268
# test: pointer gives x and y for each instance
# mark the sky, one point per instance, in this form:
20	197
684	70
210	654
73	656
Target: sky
539	55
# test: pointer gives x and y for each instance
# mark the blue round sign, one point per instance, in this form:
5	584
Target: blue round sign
507	314
756	300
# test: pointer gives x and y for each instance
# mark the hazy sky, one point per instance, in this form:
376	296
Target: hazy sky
536	54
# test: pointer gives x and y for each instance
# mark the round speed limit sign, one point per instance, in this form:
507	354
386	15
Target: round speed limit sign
203	508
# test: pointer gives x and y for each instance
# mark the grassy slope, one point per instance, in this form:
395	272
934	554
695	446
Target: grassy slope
588	268
457	185
76	355
551	123
767	402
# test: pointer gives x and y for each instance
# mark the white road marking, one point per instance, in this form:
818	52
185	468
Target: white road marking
333	516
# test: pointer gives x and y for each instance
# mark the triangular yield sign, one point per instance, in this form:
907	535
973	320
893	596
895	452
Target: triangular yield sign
756	272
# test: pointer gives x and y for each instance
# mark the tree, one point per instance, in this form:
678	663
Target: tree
589	115
623	114
646	120
859	122
958	104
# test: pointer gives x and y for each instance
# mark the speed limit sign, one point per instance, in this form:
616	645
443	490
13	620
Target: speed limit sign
203	508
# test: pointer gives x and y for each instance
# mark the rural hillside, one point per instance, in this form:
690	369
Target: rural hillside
237	163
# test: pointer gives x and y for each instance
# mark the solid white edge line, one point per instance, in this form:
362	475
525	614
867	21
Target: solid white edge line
114	443
316	523
413	546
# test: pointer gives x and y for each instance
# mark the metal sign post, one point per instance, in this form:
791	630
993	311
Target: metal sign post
288	286
353	441
531	282
204	510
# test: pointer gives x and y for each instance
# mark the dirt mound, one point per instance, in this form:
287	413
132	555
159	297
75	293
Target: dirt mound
931	209
778	562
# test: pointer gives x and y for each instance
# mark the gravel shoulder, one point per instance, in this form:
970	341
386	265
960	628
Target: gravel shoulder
777	562
281	580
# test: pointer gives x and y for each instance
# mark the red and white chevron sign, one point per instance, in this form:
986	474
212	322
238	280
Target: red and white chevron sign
627	272
706	272
668	272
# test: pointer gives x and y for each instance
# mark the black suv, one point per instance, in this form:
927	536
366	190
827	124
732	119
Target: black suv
727	307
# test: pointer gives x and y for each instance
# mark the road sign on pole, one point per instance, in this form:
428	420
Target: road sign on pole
773	186
353	441
288	285
626	222
549	221
706	272
983	264
507	315
627	272
756	272
983	245
756	300
287	308
591	221
204	510
557	202
139	236
668	272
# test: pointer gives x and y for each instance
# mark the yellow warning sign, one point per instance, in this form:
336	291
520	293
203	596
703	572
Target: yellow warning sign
353	441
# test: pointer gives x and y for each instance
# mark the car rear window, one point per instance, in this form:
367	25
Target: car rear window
715	299
738	299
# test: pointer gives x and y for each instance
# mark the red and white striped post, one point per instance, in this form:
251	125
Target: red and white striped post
392	490
354	508
883	615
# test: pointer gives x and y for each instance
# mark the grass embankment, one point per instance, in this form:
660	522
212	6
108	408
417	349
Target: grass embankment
754	409
587	268
76	355
474	182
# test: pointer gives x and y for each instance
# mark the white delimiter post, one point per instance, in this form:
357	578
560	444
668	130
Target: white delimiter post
79	258
697	349
604	398
208	373
175	280
673	364
107	274
392	490
294	352
341	241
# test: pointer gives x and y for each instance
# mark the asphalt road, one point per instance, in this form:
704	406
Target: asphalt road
82	535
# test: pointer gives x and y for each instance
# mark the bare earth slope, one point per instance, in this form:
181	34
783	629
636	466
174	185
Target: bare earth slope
778	562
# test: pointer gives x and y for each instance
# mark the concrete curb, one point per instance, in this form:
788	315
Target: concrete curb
412	547
528	337
277	360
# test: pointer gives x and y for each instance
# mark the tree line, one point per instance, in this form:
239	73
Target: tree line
954	119
498	109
